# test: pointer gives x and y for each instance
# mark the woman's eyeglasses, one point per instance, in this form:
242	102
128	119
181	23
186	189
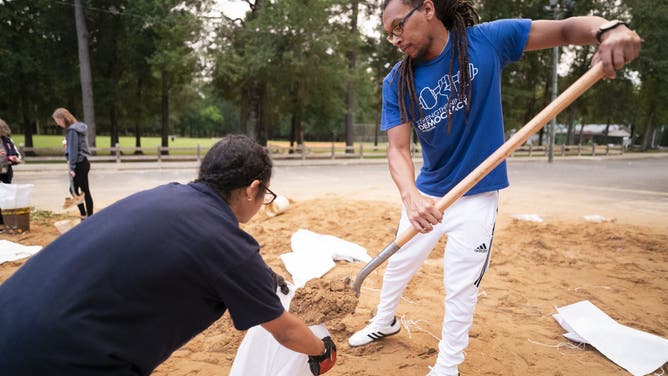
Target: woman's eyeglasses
269	196
398	29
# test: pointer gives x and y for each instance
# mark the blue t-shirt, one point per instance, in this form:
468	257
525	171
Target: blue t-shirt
450	157
118	293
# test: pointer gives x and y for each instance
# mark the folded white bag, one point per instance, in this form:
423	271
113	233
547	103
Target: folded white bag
10	251
636	351
313	255
337	248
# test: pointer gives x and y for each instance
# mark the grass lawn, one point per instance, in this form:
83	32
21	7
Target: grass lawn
55	141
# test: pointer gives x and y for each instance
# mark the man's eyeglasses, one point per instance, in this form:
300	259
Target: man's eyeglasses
398	29
269	196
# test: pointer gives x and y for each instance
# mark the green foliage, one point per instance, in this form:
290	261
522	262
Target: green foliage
282	71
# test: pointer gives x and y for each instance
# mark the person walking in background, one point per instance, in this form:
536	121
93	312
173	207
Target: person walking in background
447	88
118	293
77	153
9	156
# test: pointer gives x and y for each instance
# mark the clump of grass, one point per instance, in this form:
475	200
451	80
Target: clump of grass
45	217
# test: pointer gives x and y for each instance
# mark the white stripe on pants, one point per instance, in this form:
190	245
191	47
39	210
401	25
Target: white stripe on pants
469	223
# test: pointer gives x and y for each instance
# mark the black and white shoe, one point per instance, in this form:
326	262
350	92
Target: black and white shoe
372	333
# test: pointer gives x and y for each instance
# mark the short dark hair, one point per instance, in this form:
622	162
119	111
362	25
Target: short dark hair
234	162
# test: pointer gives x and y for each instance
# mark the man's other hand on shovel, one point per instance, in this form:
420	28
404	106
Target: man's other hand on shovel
422	212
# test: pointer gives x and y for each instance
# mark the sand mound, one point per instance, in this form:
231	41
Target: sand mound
321	301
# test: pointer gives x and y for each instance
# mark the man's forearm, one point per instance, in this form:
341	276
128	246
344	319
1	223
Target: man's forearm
582	30
402	170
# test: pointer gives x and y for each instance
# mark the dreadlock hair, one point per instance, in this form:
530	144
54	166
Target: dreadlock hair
456	16
234	162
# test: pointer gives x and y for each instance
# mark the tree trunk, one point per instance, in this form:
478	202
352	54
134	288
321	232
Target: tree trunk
570	133
25	114
606	131
546	101
293	130
164	131
113	121
263	126
350	94
649	132
114	72
85	71
138	116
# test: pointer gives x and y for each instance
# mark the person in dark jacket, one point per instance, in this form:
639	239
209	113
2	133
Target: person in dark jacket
9	156
118	293
77	153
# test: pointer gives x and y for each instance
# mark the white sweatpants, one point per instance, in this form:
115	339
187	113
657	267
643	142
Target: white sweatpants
469	224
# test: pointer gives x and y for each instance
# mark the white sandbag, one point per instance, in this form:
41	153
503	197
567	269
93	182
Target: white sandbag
14	196
313	255
339	249
528	217
305	266
259	354
570	332
10	251
636	351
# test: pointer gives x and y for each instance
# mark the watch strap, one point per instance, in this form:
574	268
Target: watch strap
602	30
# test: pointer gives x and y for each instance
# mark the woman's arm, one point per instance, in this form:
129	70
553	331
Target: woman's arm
72	138
292	333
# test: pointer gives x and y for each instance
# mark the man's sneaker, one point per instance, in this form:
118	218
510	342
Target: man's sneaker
371	333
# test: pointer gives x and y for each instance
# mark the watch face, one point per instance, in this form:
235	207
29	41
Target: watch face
609	24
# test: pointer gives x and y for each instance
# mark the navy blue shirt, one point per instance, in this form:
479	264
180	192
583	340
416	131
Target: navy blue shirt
121	291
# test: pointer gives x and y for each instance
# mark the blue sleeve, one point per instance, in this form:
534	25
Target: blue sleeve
508	36
248	293
390	116
72	138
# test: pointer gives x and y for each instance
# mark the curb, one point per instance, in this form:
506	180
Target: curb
125	166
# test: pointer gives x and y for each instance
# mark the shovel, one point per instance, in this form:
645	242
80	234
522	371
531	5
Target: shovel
534	125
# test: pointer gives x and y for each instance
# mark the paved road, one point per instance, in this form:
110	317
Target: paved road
633	190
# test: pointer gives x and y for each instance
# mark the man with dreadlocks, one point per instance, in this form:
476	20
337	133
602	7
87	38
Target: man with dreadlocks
447	88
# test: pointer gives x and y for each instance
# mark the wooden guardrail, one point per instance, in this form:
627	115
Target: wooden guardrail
320	151
569	150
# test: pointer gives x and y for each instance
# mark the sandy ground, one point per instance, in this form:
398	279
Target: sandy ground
620	265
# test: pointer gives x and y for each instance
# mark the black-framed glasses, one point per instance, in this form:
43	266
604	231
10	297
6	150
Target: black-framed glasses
269	196
398	29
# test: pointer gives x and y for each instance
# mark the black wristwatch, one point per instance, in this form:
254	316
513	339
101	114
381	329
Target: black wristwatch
608	26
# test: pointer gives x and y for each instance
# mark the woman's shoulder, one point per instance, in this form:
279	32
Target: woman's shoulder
79	127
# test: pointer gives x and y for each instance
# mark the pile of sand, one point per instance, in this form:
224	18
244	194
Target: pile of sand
322	301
